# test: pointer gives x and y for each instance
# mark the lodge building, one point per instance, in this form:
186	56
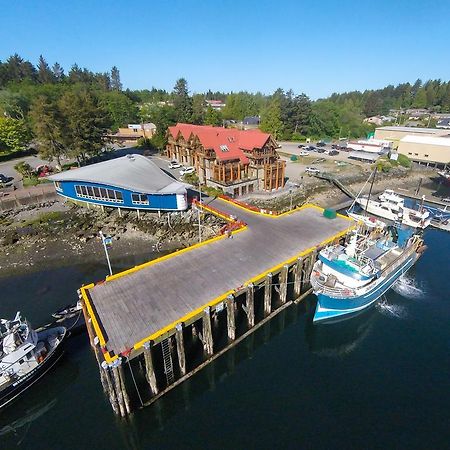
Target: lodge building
239	162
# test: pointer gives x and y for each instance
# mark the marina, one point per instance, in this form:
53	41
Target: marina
134	316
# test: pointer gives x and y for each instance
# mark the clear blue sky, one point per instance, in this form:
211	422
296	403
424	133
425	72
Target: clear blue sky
317	47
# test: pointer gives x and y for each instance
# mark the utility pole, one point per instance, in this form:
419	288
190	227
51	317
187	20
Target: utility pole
290	192
104	239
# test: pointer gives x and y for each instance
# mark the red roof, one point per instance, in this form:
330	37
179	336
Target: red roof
227	143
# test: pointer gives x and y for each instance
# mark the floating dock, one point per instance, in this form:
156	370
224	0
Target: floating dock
164	320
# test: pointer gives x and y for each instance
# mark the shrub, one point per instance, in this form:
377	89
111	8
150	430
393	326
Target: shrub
404	161
24	169
191	178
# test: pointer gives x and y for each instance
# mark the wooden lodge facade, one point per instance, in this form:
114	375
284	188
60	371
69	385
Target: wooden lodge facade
238	162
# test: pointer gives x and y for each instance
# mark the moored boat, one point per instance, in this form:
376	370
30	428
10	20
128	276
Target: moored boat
26	355
347	279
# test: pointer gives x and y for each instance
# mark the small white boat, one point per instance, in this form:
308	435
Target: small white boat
392	207
368	221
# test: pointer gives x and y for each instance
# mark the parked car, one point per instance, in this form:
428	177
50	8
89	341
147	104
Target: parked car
304	153
321	150
334	146
321	144
333	152
5	181
300	145
174	165
311	148
187	170
312	170
319	160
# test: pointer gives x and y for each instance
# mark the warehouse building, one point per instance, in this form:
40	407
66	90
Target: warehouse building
395	134
430	150
129	182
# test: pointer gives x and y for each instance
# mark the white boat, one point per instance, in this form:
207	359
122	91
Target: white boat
368	221
26	355
392	207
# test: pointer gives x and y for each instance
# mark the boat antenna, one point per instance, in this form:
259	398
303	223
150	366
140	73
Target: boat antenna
370	190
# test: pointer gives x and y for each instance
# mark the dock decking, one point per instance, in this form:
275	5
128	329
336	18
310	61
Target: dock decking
132	308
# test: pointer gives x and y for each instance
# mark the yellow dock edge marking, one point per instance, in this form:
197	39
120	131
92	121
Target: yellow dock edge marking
215	301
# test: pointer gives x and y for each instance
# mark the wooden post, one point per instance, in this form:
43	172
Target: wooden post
283	283
118	388
126	398
111	393
250	301
268	295
149	368
207	332
180	348
231	322
312	260
298	277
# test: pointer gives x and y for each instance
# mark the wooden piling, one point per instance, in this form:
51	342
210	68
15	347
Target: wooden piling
250	301
298	277
111	392
149	368
180	348
268	295
231	322
283	284
118	388
126	398
207	332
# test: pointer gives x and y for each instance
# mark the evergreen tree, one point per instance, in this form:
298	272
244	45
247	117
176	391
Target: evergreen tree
45	75
182	103
213	117
271	118
198	109
58	72
85	120
116	85
49	128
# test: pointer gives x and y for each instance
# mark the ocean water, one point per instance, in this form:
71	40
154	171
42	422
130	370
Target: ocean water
378	380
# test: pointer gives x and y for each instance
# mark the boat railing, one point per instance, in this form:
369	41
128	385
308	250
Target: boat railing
335	292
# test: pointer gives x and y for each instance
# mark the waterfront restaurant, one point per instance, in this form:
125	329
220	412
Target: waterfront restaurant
130	182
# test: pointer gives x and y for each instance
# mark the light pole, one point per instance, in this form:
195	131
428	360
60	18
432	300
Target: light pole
290	192
106	240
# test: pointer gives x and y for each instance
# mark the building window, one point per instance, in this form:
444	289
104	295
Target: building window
58	186
96	193
409	153
139	199
426	156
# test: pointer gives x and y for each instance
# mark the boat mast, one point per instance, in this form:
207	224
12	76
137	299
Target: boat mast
370	190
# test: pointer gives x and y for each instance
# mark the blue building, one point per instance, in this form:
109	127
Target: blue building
130	182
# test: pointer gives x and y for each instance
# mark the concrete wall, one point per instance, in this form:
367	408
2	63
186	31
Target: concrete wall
428	153
168	202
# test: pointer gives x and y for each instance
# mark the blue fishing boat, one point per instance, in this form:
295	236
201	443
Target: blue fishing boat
349	278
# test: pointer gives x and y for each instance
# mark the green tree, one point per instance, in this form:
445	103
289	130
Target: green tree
116	85
271	119
85	119
182	103
49	128
121	110
213	117
45	75
14	135
58	72
198	109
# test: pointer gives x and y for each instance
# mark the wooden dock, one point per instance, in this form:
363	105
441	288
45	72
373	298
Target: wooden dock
133	312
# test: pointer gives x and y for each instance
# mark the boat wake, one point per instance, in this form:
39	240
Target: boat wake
395	311
407	287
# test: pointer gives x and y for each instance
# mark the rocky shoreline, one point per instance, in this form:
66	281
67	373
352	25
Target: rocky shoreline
55	233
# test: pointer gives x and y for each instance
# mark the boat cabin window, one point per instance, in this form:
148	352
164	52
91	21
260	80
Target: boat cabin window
21	361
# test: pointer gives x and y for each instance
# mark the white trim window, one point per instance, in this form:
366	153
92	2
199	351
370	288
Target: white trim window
98	193
58	186
139	199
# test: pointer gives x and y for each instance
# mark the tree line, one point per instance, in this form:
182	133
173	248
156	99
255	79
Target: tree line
70	114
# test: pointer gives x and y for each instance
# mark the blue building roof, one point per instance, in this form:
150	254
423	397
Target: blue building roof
132	172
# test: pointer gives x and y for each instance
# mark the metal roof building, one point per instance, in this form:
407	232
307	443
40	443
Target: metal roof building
430	150
132	182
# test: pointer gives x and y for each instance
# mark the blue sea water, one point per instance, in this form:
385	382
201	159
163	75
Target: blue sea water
379	380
